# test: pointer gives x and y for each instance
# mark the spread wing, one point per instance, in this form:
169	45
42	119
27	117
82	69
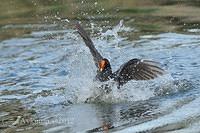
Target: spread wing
137	69
96	55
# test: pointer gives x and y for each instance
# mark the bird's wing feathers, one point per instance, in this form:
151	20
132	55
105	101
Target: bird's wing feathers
96	55
138	70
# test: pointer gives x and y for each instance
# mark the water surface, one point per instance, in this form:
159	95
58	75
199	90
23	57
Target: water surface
47	73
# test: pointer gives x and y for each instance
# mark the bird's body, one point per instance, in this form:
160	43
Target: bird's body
134	69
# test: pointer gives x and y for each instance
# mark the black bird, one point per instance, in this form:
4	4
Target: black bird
134	69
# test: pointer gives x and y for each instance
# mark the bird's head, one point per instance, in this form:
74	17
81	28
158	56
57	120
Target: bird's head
104	65
104	73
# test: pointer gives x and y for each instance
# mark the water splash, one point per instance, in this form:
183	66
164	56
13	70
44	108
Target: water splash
114	32
81	85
